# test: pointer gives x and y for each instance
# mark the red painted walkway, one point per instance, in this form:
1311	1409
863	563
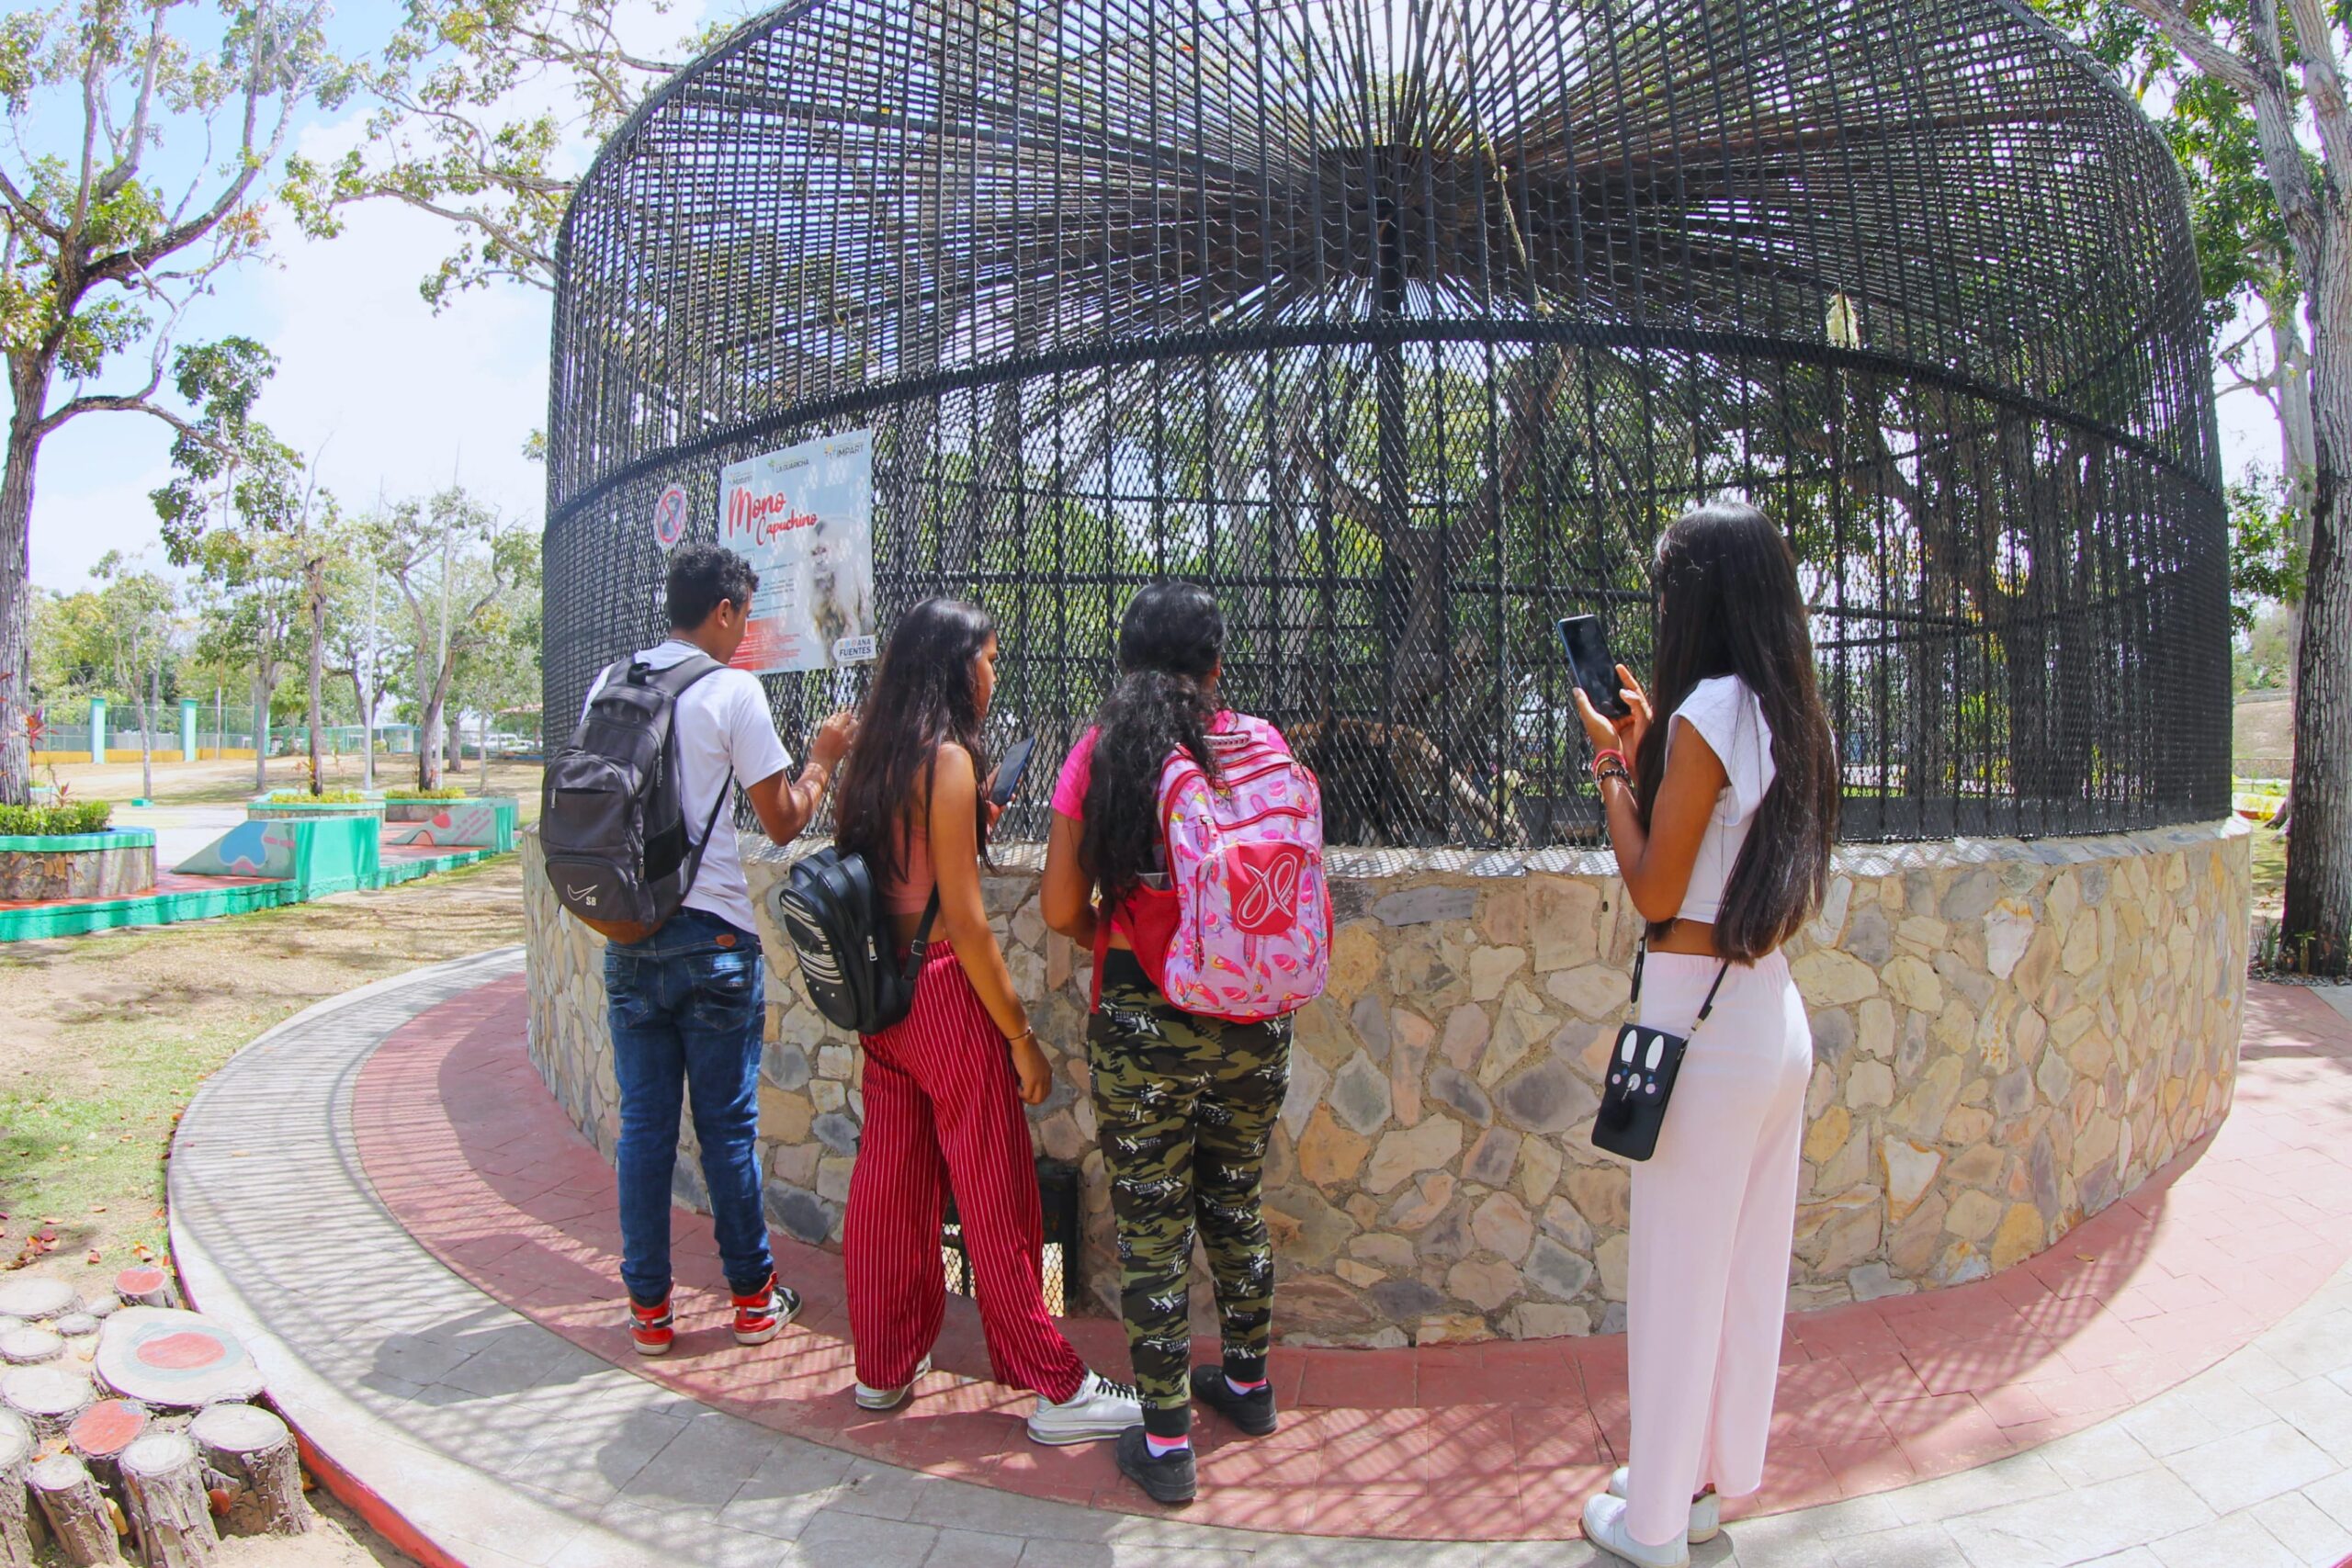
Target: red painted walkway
1495	1441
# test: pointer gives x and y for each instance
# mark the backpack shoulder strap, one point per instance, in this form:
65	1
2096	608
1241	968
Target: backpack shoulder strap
676	681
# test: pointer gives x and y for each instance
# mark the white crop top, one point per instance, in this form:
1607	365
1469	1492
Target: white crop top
1724	711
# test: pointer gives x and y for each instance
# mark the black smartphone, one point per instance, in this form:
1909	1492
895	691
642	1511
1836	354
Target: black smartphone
1590	666
1015	762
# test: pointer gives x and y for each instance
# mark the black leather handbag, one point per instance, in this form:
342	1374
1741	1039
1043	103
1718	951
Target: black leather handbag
1643	1067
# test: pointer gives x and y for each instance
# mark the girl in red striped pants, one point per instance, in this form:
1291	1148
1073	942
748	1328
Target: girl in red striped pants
943	1089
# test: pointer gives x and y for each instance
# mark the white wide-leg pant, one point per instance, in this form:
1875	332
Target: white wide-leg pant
1715	1213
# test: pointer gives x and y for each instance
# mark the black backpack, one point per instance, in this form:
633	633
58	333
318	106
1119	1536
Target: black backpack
830	906
612	819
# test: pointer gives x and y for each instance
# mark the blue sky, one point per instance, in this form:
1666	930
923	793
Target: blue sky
389	395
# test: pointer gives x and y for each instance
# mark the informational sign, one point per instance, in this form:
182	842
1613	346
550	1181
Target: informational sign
804	518
670	517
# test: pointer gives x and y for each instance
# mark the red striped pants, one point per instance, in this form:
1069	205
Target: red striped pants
942	1110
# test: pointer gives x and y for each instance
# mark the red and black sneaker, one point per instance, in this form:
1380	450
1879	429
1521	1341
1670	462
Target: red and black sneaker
761	1317
649	1328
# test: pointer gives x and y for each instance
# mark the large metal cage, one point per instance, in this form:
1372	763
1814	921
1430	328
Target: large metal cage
1408	326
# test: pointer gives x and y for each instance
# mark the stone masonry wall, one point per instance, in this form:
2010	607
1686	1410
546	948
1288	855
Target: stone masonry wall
2007	1038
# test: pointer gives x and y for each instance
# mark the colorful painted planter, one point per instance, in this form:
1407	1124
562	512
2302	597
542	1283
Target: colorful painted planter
47	867
281	810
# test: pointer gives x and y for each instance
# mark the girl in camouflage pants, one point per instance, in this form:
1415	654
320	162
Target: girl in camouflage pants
1186	1104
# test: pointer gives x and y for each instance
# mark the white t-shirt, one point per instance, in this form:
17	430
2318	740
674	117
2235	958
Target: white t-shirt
723	730
1727	713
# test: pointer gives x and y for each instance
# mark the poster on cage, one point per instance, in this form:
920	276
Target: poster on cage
804	518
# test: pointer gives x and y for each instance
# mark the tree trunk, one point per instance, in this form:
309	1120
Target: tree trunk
145	702
164	1485
15	596
252	1450
78	1517
2290	360
2319	851
15	1515
47	1397
261	733
314	570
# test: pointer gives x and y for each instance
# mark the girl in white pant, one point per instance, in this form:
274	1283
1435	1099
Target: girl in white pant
1721	820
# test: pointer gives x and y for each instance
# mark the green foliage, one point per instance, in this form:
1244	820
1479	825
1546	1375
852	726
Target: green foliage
56	821
2266	567
325	797
448	792
447	137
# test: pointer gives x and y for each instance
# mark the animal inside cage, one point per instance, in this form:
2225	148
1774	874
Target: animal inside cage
1408	327
1059	1265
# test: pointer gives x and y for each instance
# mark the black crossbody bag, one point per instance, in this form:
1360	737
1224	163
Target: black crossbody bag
1643	1067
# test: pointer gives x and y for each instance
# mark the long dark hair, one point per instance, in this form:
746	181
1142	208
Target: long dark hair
923	698
1171	640
1729	604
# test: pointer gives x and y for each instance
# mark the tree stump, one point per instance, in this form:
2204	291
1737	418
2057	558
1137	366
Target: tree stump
163	1483
102	1307
146	1286
75	1325
253	1450
31	1344
16	1521
48	1398
35	1296
100	1434
169	1360
78	1518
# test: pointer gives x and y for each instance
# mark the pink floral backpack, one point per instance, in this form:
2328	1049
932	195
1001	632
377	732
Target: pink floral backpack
1253	937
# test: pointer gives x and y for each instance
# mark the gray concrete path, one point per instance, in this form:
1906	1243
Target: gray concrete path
502	1444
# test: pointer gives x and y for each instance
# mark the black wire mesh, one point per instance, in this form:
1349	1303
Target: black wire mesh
1406	327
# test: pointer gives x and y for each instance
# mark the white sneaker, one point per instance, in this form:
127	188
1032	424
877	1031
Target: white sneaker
880	1399
1100	1409
1706	1512
1604	1526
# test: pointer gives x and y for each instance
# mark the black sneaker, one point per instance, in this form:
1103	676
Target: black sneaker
1252	1412
1169	1479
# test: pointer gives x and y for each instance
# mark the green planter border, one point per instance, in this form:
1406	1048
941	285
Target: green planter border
69	844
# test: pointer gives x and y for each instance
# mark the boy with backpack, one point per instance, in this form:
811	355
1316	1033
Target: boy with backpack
640	845
1187	851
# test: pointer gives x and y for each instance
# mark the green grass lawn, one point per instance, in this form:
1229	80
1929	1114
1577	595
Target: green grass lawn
113	1033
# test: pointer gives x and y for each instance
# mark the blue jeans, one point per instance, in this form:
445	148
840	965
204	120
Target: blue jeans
685	1008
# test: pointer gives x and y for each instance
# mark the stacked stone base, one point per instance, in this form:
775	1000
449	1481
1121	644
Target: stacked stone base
93	867
2008	1036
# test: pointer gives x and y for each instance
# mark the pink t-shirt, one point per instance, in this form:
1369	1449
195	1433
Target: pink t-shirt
1078	767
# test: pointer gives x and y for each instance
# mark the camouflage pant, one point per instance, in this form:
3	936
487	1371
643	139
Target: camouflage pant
1186	1106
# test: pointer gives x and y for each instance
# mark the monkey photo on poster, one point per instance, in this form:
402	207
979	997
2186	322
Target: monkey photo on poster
804	517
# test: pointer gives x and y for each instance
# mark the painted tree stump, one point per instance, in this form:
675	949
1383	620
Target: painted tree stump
254	1452
31	1344
79	1520
146	1285
163	1483
16	1503
100	1434
47	1397
169	1360
35	1296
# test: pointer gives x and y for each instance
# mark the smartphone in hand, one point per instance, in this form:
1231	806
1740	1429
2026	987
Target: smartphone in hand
1009	771
1591	666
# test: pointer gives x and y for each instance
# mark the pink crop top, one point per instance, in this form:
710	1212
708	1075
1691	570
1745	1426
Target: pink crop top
909	894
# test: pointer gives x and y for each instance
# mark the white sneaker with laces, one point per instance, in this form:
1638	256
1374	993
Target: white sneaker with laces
881	1399
1100	1409
1706	1512
1604	1526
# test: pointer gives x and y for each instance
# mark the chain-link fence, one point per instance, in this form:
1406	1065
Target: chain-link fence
1408	327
